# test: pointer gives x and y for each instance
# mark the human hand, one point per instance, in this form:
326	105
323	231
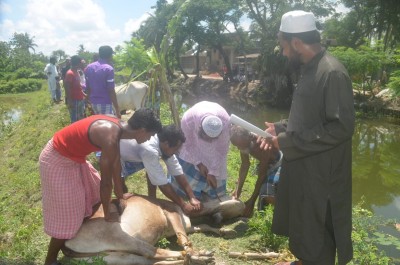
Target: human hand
270	128
123	202
235	195
127	195
187	209
112	217
196	204
269	143
203	169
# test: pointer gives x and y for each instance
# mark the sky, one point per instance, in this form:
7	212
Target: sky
65	24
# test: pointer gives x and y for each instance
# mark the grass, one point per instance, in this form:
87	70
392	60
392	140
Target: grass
22	240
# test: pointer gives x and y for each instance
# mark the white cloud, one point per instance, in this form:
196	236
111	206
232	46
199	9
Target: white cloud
64	25
4	8
133	25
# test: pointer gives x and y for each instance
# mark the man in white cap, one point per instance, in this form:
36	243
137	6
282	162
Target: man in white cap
313	205
204	154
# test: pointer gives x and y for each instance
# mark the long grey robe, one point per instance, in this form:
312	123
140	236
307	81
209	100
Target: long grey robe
317	150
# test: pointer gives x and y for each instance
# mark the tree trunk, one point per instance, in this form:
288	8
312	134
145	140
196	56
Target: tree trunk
180	65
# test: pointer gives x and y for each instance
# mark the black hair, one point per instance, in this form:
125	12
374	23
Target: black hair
145	118
53	59
309	37
172	134
240	132
105	52
75	60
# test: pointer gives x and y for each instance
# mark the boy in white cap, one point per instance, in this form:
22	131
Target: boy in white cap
204	154
313	205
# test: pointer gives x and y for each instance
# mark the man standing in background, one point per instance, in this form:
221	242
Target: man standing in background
73	91
100	86
52	79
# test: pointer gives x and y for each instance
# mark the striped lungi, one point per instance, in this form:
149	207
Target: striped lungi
69	192
198	183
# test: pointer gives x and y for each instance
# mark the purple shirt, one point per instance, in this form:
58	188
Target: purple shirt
195	150
100	79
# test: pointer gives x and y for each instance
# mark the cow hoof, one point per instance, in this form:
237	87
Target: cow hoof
202	260
228	233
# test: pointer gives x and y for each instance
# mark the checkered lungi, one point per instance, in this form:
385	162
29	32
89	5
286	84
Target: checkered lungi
103	109
69	191
77	112
197	182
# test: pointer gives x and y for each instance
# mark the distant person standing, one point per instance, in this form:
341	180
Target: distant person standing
64	71
100	86
52	78
81	69
66	67
73	91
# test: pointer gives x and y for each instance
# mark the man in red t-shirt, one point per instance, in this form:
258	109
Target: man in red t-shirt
71	186
74	92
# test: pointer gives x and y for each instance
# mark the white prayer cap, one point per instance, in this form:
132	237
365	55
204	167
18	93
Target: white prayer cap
212	126
297	21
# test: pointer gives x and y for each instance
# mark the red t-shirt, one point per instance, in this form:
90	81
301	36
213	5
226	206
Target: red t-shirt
75	87
73	141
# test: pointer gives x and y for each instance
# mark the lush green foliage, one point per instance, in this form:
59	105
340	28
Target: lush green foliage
131	60
394	83
21	231
20	85
261	223
361	63
364	241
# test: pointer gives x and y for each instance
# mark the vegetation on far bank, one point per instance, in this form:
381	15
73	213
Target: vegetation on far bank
23	242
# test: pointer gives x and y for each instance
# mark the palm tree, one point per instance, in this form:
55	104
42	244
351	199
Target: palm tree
23	41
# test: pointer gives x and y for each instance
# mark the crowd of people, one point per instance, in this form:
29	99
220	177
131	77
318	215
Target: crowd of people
304	168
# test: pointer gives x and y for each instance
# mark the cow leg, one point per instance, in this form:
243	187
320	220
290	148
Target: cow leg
122	258
117	240
175	221
203	228
228	208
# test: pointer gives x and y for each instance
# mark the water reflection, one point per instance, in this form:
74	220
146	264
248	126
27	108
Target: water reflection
11	116
376	163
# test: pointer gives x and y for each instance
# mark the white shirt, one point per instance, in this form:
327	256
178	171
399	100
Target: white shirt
53	71
150	154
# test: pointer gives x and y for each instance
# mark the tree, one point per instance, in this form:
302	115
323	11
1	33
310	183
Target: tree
131	59
84	54
207	24
266	16
59	54
367	21
5	57
23	41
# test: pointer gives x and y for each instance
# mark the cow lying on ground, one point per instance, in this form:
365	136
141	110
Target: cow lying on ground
131	96
144	222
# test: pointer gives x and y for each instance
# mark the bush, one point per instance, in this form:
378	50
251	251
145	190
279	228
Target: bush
20	86
394	83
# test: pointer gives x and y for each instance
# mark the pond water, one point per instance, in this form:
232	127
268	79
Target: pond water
376	158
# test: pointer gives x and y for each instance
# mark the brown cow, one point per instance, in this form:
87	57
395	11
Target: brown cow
143	222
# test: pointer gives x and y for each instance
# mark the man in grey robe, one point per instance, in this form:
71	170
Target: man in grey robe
313	205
